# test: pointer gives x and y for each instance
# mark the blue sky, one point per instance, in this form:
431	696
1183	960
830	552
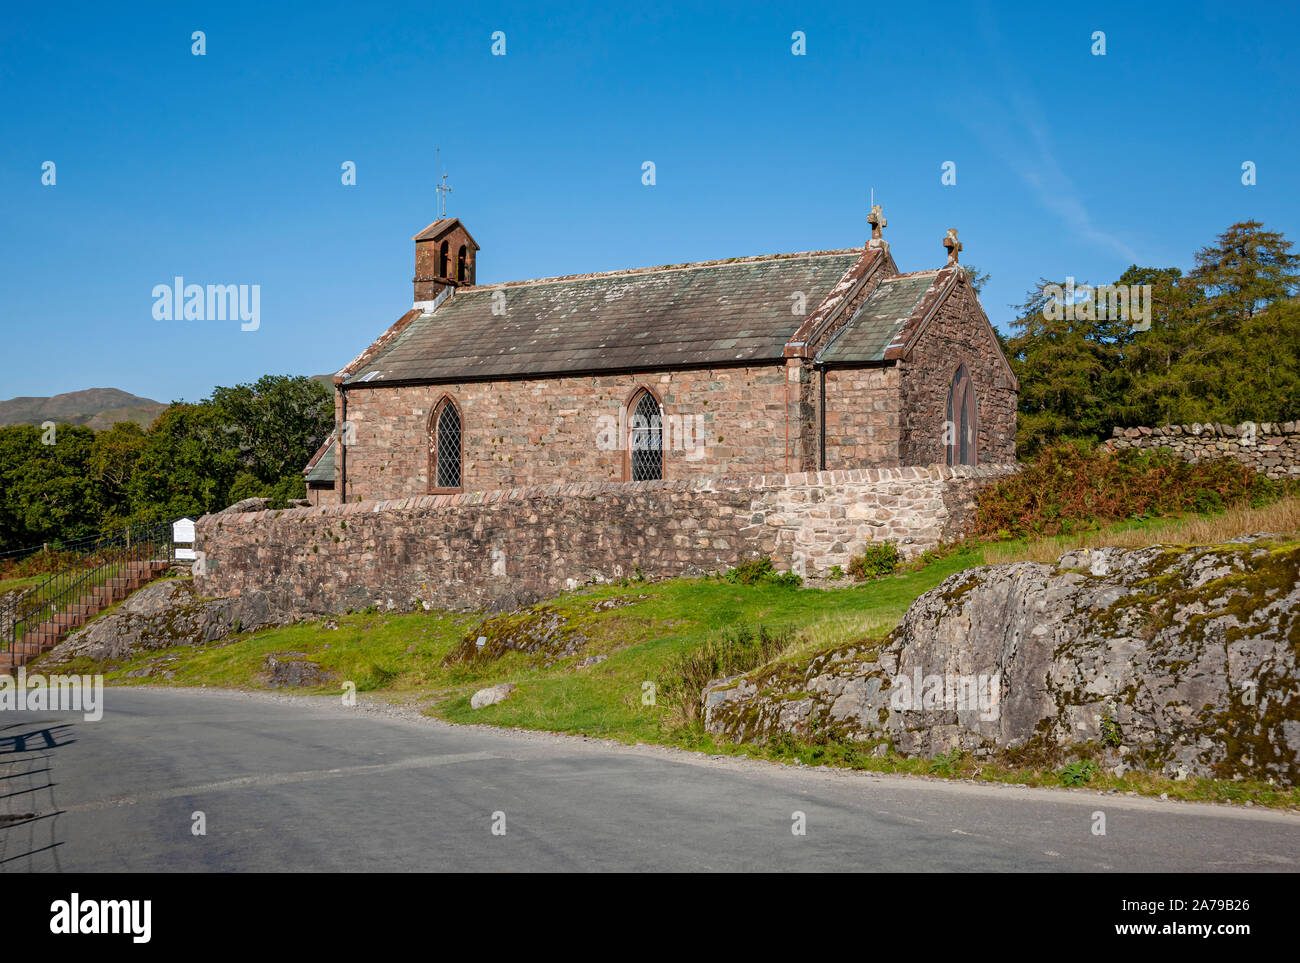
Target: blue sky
225	168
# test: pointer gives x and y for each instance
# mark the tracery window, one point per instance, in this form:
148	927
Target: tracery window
445	446
645	438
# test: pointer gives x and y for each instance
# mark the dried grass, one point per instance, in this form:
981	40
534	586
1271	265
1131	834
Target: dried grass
1282	517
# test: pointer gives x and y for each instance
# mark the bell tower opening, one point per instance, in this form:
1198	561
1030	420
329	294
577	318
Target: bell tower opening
445	256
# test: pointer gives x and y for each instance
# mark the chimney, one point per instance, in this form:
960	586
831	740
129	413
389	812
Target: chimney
445	255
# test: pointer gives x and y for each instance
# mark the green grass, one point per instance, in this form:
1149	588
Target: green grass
403	653
9	584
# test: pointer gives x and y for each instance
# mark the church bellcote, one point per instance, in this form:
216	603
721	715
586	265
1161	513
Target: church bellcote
445	255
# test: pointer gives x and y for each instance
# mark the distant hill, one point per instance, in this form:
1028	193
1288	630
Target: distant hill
96	408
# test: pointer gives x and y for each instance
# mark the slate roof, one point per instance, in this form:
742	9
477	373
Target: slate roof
321	466
878	321
442	226
713	312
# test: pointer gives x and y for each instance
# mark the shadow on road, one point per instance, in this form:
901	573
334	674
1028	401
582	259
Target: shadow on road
28	811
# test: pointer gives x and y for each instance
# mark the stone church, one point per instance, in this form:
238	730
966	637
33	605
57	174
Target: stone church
781	363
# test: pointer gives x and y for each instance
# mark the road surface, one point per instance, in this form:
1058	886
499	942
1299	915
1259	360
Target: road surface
297	784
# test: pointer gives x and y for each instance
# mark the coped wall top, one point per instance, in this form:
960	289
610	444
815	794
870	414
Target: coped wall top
810	479
1247	429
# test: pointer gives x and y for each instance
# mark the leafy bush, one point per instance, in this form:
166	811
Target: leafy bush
280	493
760	570
751	572
945	764
737	651
879	559
1076	486
1078	773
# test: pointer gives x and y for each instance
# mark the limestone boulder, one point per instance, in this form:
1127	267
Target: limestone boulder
1176	660
491	696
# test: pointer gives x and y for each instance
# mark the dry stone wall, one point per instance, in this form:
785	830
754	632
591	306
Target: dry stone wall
1269	447
504	548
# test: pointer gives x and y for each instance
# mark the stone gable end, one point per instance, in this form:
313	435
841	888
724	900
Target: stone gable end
958	333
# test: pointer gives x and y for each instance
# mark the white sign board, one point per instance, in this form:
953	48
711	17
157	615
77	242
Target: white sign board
183	534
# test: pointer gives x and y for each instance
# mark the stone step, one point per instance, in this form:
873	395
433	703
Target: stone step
50	630
28	645
37	636
146	567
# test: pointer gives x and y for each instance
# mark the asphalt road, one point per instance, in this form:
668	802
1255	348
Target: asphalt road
307	785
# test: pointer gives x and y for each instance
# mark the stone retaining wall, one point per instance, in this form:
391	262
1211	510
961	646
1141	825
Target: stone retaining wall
504	548
1269	447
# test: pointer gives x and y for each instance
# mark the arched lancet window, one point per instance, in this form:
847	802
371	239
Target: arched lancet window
645	438
959	427
460	264
443	255
444	446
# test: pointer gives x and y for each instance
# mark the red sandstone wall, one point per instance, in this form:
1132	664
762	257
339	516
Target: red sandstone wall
957	334
862	417
546	431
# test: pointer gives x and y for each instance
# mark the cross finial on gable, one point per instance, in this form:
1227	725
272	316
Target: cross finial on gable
952	244
877	221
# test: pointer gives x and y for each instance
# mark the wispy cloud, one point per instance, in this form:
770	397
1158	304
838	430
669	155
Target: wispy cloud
1016	130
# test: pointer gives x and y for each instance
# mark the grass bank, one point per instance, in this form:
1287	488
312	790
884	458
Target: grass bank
14	584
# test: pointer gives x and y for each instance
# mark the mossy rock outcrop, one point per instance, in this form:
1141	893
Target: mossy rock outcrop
1170	659
161	615
538	630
